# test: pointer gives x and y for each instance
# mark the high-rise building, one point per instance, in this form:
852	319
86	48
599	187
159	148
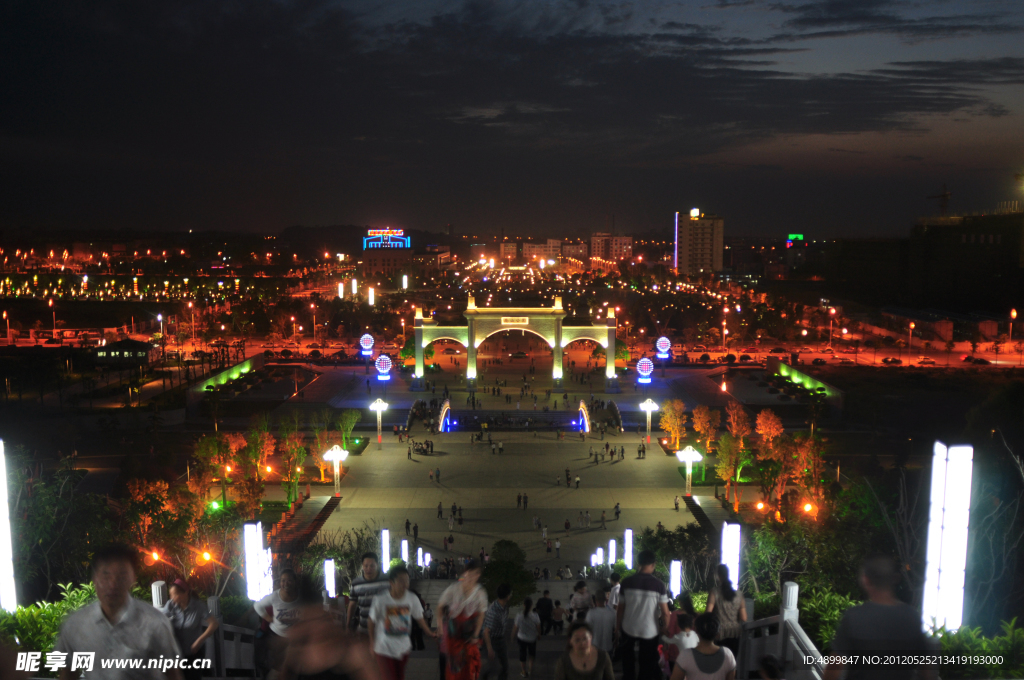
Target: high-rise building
509	250
576	251
699	243
548	250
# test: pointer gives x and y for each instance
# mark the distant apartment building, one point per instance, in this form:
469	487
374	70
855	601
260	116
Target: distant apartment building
699	243
509	251
550	249
577	251
608	247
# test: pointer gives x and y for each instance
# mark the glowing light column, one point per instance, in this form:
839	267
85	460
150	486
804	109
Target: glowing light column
650	407
336	455
948	520
330	585
731	550
689	455
675	577
259	578
611	552
385	550
379	406
405	550
627	548
8	594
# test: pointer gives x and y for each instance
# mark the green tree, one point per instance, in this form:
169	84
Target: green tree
950	346
346	421
507	565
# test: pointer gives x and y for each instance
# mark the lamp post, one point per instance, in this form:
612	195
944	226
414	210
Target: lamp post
54	309
8	320
312	305
910	336
725	331
650	407
831	318
193	311
1013	315
163	340
336	455
379	406
689	455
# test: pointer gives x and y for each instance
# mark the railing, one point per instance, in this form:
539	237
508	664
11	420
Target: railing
781	636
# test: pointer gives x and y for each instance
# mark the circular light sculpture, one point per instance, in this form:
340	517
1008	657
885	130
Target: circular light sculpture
644	367
383	366
366	343
663	345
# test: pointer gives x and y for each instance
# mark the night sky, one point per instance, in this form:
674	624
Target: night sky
829	117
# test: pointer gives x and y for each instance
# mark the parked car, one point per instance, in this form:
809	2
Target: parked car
805	350
750	350
818	362
926	361
53	341
313	345
745	357
826	350
699	348
449	350
978	361
846	362
779	350
892	361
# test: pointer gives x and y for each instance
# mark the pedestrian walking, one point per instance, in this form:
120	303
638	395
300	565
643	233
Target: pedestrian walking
437	475
494	448
451	522
440	512
568	526
444	543
392	615
587	516
408	453
460	520
642	612
460	512
494	635
558	544
567	479
577	481
547	544
501	447
602	520
526	501
544	533
618	511
408	526
431	474
579	521
677	503
519	501
416	532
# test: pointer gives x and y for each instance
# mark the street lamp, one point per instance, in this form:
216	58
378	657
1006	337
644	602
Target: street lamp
336	455
1013	315
831	318
650	407
910	336
54	318
312	305
193	311
379	406
689	455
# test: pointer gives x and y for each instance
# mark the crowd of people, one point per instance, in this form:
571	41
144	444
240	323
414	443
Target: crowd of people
630	624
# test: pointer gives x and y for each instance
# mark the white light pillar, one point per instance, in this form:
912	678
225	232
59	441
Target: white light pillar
330	585
675	578
419	557
8	593
611	552
385	550
259	578
689	455
650	407
405	550
627	548
600	555
731	550
379	406
948	521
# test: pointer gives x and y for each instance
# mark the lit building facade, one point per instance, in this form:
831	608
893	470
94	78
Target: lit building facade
699	243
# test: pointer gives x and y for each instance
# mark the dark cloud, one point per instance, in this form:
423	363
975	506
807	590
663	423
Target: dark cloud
819	19
252	112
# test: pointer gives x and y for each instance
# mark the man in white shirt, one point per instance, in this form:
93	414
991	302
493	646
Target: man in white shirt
116	626
613	596
641	599
392	614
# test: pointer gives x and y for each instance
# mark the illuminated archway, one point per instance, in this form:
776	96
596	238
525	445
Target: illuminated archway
584	417
544	322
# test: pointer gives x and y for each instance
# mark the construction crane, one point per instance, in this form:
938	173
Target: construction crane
943	197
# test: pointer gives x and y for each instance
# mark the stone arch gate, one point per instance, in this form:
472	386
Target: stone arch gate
545	322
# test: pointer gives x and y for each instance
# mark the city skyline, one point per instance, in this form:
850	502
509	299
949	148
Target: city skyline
826	117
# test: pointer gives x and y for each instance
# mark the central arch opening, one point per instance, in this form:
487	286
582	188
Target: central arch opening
510	354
